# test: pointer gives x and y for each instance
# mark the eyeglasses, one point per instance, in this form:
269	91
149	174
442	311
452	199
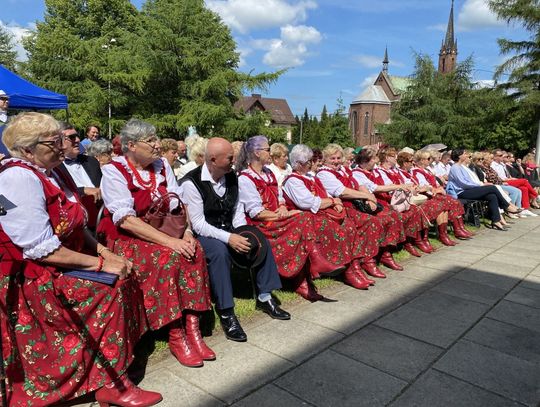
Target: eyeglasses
152	144
71	137
267	149
58	142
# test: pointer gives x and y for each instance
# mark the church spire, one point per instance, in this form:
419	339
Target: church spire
449	51
385	60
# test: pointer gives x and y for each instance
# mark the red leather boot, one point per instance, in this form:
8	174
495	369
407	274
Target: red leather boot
443	235
463	228
388	260
459	233
307	290
419	242
122	392
319	265
425	239
181	348
353	276
411	249
370	267
195	339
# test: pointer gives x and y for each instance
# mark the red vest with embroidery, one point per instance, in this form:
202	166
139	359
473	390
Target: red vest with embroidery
107	231
430	178
346	179
66	218
313	185
268	191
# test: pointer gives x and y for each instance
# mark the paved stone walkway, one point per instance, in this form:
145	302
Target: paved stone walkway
459	327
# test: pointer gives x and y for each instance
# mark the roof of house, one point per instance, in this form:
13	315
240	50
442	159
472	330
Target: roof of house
400	83
279	109
372	94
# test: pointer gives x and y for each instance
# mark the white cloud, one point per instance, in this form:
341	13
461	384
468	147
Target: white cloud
476	14
373	61
245	15
370	80
291	49
18	33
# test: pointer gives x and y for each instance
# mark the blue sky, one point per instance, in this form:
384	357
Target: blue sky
334	48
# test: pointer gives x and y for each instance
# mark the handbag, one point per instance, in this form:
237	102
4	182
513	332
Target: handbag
363	206
400	201
159	216
418	199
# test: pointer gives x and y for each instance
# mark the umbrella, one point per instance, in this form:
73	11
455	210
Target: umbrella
438	147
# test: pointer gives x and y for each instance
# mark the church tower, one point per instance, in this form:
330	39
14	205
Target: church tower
449	51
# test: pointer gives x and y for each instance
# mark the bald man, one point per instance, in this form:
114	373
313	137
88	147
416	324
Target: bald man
211	195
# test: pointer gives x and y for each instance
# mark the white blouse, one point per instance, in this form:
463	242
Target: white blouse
115	192
302	197
249	196
334	187
28	224
422	181
363	180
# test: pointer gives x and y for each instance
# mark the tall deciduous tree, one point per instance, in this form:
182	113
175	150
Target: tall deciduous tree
8	55
524	61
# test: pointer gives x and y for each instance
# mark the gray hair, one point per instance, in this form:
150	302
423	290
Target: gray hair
247	152
99	147
66	126
197	149
136	130
300	154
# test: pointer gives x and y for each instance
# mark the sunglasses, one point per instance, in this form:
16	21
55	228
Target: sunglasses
72	137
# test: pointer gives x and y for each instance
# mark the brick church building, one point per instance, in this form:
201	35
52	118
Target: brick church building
374	104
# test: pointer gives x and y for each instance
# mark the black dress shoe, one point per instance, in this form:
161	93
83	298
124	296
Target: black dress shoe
272	309
232	328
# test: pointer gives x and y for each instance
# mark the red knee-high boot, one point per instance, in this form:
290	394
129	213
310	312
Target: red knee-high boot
388	260
318	264
306	289
195	339
443	235
459	233
370	267
425	239
411	249
181	348
353	276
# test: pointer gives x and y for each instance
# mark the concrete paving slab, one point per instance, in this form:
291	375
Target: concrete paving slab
522	244
507	268
520	342
331	379
470	291
295	340
379	301
398	283
516	314
520	252
424	325
420	272
505	257
524	296
452	265
388	351
536	271
239	369
456	254
467	247
436	389
176	391
271	396
495	371
338	316
448	306
489	278
531	282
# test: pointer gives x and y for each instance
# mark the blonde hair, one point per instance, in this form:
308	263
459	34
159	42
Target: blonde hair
278	150
26	129
332	149
419	155
197	149
168	144
477	156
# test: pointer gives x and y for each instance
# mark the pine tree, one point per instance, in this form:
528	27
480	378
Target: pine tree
8	55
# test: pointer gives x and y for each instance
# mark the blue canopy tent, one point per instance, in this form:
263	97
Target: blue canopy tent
25	95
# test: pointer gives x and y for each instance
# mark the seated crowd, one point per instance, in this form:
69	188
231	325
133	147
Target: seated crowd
288	216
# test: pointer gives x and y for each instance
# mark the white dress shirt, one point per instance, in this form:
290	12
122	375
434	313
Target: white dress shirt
116	194
302	197
363	180
334	187
193	199
28	224
500	169
78	173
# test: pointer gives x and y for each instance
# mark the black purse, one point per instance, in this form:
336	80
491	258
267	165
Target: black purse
362	206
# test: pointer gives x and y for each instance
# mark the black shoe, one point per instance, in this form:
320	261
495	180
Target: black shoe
232	328
272	309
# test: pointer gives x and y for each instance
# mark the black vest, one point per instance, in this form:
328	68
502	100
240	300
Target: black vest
218	211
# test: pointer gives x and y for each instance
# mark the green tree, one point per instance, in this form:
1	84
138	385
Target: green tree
8	55
524	61
193	61
85	49
337	130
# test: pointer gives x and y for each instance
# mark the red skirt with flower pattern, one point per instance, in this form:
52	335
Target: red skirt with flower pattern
414	221
170	283
66	337
393	232
291	240
369	231
432	208
333	240
452	205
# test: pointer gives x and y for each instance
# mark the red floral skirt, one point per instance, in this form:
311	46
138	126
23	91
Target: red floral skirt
369	231
291	240
414	221
170	283
452	205
334	240
433	208
66	337
392	224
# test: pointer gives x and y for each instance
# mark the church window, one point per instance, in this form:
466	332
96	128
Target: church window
354	122
366	124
